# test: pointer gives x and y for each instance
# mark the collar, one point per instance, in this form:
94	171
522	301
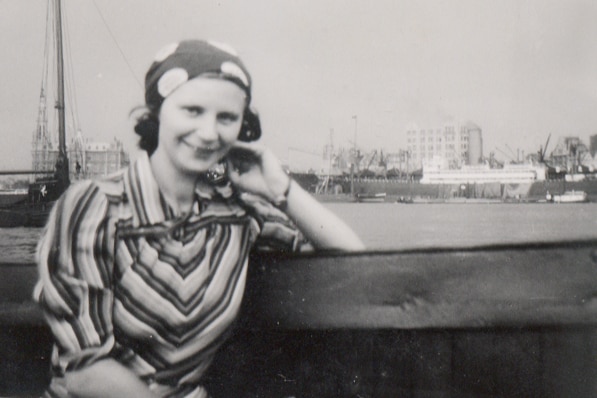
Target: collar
148	202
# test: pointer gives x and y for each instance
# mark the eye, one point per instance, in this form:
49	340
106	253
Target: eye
193	110
228	117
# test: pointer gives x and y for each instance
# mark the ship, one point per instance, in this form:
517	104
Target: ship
10	197
54	164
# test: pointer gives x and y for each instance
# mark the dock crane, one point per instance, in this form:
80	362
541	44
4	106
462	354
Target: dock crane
371	159
543	150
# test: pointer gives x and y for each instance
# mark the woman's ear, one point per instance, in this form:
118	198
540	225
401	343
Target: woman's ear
251	126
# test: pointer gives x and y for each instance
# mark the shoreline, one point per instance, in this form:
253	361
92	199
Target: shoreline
347	198
409	192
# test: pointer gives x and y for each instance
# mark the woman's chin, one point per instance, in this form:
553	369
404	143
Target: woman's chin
202	166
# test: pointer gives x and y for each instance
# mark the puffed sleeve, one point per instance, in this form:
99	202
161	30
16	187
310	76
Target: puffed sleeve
74	289
277	231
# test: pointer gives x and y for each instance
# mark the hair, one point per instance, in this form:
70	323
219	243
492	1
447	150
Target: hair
147	127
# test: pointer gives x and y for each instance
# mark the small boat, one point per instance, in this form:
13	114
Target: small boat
404	199
370	197
570	197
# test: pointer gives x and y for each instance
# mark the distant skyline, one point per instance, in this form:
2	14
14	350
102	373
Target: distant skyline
519	69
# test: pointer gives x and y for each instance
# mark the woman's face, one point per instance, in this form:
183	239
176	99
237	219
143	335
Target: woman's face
199	122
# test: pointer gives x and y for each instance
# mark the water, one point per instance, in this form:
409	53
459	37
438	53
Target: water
17	245
404	226
387	226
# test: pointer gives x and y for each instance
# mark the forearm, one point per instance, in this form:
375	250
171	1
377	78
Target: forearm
106	378
321	227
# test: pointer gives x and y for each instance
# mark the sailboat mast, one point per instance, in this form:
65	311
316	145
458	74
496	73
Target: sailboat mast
60	79
62	161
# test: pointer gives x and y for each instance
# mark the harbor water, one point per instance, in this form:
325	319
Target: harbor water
406	226
388	226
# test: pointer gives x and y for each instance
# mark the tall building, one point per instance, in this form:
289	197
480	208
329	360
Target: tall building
451	145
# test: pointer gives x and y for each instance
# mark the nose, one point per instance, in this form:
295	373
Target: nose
207	128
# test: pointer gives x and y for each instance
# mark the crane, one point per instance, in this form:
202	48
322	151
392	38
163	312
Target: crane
543	150
373	156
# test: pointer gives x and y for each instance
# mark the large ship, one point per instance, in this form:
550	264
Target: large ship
54	162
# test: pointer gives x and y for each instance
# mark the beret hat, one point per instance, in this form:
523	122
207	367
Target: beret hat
180	62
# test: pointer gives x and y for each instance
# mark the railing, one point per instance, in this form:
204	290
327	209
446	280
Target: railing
498	321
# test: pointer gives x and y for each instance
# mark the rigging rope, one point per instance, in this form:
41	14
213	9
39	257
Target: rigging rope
117	45
40	134
70	81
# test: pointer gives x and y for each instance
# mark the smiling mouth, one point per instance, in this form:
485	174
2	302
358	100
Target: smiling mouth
202	149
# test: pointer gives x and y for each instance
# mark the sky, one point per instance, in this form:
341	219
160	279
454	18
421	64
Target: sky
324	70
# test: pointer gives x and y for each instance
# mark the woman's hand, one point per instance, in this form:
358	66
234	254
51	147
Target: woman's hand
255	169
106	378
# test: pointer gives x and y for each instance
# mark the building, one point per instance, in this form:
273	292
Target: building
87	160
451	145
569	154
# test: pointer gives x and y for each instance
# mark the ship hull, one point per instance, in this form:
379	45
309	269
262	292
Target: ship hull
12	197
535	191
26	215
373	197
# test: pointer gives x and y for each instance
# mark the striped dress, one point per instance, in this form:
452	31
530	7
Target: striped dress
122	276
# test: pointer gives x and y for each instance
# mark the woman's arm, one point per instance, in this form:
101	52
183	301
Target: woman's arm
320	226
75	292
255	169
106	378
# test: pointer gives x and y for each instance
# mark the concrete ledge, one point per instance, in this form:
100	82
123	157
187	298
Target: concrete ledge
500	286
494	322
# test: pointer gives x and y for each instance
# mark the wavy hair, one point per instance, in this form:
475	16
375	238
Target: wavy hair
147	127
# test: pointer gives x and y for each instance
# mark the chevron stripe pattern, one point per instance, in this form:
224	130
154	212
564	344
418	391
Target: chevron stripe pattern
121	275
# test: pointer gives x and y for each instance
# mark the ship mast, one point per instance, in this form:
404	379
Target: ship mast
62	173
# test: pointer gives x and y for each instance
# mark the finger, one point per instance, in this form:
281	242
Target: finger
233	172
243	158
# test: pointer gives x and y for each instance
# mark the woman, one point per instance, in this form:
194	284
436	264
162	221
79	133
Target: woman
141	274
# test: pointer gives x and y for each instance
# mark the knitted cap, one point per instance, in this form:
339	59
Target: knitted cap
180	62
